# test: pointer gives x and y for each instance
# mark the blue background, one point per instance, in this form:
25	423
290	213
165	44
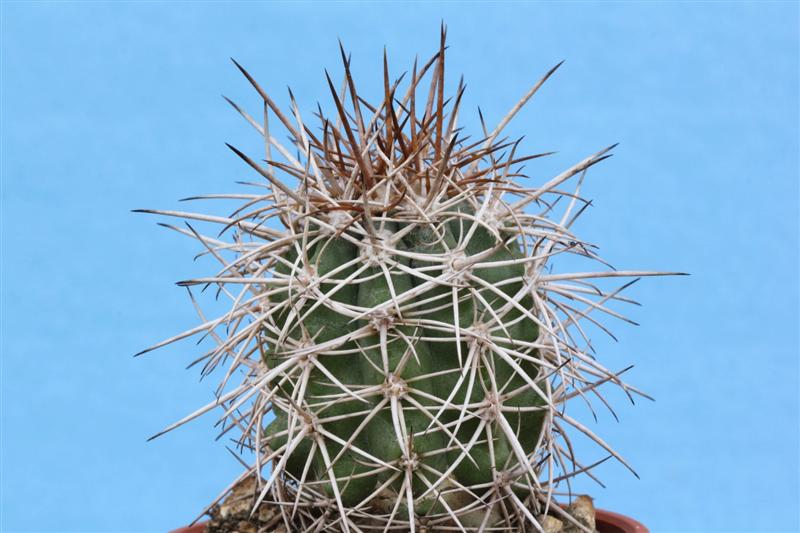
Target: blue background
106	108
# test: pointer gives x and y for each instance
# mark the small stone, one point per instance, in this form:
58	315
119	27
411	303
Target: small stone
267	513
246	527
550	524
582	510
240	500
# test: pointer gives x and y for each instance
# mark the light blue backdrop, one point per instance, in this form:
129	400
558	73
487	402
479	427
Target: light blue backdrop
112	107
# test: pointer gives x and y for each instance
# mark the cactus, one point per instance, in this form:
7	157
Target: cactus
406	349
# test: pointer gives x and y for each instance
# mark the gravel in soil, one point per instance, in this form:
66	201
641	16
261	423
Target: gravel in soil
233	515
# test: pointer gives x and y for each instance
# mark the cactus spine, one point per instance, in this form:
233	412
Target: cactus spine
405	351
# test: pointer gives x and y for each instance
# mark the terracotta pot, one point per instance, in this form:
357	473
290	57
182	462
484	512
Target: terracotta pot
607	522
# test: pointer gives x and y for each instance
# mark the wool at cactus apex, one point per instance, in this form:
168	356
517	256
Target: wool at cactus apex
110	107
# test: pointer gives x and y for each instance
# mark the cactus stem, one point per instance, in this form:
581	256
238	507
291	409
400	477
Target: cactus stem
405	348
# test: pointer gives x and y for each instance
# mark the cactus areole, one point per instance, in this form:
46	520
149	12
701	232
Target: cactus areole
399	351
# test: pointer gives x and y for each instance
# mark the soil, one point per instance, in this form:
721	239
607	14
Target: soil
233	515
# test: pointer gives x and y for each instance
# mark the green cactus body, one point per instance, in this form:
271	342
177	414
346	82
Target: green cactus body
403	349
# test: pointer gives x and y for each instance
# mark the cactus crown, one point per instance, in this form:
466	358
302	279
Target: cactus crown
405	351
